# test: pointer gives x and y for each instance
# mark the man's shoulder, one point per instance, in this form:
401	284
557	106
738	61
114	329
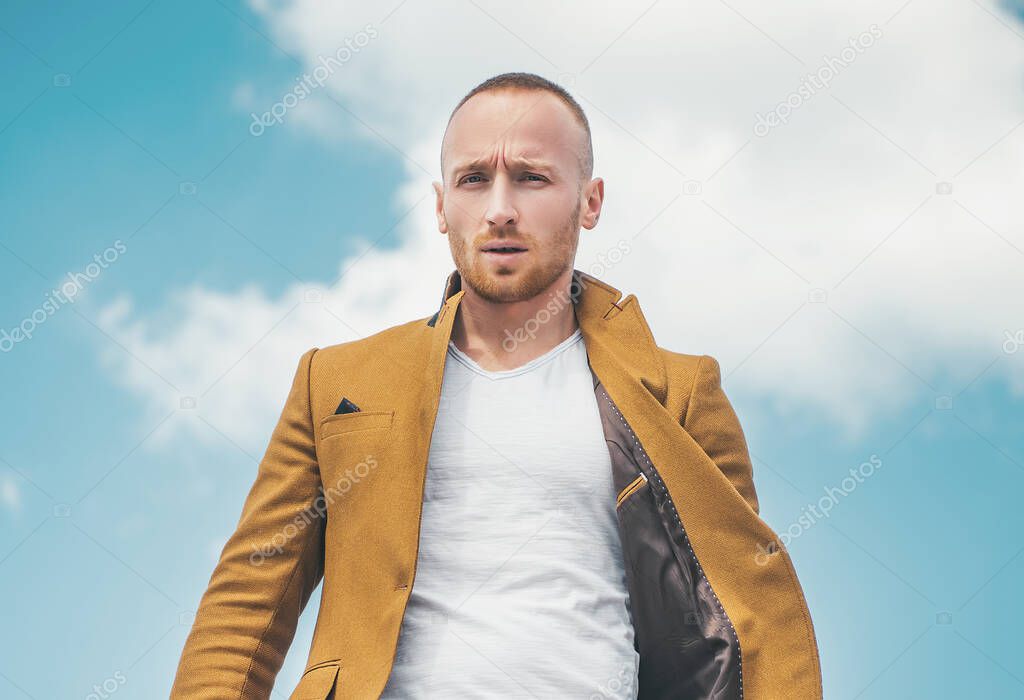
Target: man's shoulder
680	362
389	340
681	372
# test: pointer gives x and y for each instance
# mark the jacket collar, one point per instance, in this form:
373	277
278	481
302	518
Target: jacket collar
615	331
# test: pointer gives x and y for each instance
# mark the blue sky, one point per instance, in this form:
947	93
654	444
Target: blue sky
129	122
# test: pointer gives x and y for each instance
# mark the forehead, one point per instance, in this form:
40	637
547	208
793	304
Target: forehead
513	123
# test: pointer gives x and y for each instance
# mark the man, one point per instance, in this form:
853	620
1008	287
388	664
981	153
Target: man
519	496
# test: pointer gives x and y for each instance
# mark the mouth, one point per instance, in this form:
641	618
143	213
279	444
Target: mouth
504	251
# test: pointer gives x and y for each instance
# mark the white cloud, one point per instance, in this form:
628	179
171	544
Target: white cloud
820	202
10	494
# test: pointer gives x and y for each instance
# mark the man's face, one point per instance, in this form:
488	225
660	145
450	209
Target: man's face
512	178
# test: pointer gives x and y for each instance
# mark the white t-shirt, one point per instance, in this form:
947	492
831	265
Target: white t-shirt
519	589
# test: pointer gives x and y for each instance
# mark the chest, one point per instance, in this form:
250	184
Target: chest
520	436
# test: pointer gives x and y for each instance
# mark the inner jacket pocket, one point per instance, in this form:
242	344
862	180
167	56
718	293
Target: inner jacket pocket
631	488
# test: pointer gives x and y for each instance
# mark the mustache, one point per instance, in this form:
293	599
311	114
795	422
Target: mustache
511	238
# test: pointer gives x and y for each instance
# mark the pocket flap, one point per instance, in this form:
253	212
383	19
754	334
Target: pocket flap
338	423
316	684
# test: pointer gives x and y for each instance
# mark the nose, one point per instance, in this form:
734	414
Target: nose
501	209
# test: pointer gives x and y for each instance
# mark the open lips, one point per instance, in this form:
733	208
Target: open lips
504	249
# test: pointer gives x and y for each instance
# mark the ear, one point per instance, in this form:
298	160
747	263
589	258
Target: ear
593	198
442	222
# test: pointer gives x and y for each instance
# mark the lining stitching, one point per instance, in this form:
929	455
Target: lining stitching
686	537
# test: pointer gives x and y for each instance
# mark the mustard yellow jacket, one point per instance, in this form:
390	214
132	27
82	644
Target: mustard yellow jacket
718	611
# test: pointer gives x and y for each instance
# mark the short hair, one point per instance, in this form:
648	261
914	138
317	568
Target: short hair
531	81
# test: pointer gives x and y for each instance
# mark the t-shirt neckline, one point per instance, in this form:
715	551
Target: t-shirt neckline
469	362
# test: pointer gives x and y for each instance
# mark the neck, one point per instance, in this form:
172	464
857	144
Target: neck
507	335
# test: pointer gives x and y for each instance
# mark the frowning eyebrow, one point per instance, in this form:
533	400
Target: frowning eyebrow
513	163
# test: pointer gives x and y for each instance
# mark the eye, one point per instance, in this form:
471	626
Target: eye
465	180
540	178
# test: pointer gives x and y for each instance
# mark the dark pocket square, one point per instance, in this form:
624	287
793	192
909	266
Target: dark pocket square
346	406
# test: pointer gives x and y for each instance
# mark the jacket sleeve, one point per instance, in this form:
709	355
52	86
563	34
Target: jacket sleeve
267	570
712	422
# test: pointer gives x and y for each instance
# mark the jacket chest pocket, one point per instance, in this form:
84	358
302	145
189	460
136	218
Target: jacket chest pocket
349	447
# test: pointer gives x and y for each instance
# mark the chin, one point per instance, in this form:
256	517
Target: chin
519	284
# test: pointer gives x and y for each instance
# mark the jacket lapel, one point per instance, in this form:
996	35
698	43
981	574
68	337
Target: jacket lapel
619	342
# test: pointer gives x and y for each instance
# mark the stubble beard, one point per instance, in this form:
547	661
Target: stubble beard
506	284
